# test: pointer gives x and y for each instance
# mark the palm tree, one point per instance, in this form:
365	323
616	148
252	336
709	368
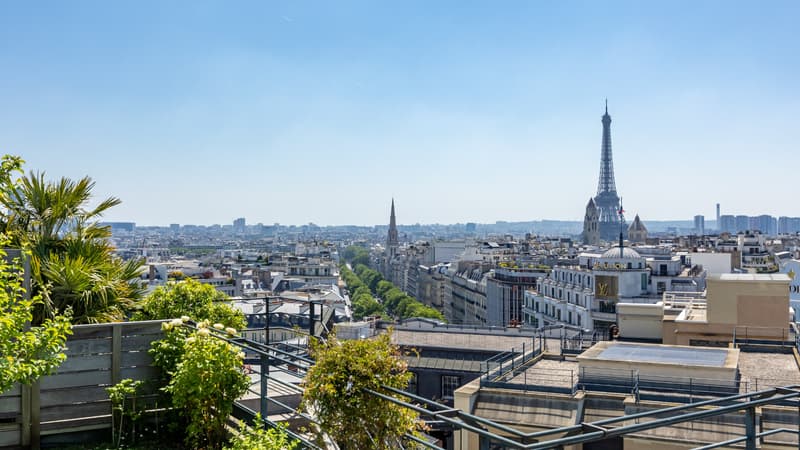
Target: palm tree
72	264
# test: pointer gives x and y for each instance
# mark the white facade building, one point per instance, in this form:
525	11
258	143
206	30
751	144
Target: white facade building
586	294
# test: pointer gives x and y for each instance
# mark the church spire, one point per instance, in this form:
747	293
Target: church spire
392	221
392	240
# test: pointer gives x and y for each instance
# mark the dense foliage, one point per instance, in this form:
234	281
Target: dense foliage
259	437
72	263
361	298
204	375
370	283
207	379
190	298
356	255
335	392
26	353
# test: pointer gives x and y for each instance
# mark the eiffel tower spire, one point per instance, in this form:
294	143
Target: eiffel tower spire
607	200
606	182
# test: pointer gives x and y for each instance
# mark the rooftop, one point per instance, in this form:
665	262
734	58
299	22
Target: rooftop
751	277
662	354
627	253
460	340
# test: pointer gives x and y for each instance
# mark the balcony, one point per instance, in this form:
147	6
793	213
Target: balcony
604	316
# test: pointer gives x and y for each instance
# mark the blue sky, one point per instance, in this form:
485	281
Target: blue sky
297	112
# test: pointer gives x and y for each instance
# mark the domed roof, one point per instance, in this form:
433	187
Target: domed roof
627	253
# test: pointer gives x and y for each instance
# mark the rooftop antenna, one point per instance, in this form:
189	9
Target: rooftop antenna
621	213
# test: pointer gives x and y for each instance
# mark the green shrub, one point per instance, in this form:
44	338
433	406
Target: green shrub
336	392
123	404
258	437
207	380
193	299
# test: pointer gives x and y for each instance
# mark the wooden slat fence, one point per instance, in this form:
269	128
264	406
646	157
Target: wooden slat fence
74	399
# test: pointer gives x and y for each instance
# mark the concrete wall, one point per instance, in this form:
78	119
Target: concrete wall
694	333
593	364
640	321
760	301
713	263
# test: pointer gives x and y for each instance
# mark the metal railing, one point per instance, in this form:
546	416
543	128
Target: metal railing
490	431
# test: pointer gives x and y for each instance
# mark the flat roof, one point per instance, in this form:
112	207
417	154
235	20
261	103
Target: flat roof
752	277
685	356
464	341
663	355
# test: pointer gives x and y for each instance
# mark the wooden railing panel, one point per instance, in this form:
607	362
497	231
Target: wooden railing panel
10	435
75	397
59	397
140	373
76	411
78	347
10	406
135	359
142	328
138	342
78	363
94	331
76	379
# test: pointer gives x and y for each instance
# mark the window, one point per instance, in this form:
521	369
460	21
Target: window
412	384
449	384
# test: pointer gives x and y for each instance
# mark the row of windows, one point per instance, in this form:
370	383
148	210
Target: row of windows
574	298
552	311
574	277
448	385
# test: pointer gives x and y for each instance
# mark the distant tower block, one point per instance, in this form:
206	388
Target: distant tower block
607	200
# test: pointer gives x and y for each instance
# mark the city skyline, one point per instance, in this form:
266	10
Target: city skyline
290	113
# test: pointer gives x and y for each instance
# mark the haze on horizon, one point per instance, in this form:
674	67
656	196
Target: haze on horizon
290	112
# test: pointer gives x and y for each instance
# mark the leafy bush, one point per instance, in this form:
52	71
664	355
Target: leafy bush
335	392
26	353
260	438
206	381
119	394
193	299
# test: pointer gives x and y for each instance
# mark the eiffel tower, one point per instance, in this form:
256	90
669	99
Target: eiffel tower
608	204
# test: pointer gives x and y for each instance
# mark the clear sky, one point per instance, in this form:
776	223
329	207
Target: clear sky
296	112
